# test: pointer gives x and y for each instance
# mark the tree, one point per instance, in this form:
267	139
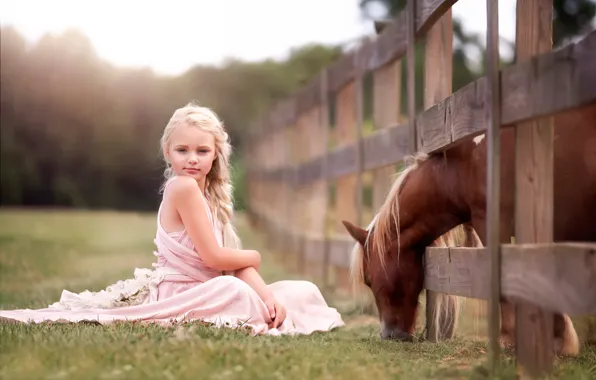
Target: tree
570	17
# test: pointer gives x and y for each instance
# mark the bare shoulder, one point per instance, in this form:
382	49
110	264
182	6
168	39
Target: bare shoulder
184	188
183	185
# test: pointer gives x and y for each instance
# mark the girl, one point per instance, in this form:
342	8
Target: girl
201	272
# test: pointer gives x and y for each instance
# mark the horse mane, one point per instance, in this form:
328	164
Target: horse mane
380	226
379	229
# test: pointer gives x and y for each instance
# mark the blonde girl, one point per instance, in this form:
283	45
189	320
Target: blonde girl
196	148
196	247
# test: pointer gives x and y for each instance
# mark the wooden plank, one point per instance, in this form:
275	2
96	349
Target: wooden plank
391	44
272	119
461	116
340	248
458	271
411	77
530	89
283	113
557	276
346	186
382	148
429	12
311	171
278	196
359	126
265	207
387	95
289	174
342	72
295	136
314	248
386	112
298	241
534	186
315	202
493	164
310	95
343	161
325	126
385	147
302	217
551	82
438	72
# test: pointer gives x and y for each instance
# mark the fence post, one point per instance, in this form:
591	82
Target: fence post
411	76
294	195
314	192
276	199
386	112
534	190
324	124
258	179
347	190
438	72
266	163
493	121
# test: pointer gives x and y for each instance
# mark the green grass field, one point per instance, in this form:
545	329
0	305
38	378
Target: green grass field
43	253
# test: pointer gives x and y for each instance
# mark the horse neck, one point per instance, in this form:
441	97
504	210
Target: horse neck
427	207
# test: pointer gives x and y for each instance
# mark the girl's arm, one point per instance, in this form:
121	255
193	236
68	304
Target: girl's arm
252	277
188	201
277	311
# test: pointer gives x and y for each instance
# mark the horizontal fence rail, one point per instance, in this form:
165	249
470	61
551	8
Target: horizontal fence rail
542	86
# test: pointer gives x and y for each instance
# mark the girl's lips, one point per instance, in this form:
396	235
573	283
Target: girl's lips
194	171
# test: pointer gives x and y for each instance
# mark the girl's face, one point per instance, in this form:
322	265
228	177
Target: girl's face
191	152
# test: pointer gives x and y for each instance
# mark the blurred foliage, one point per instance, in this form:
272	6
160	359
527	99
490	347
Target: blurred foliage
79	132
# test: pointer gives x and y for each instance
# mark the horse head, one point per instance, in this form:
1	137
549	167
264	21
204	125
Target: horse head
418	212
395	280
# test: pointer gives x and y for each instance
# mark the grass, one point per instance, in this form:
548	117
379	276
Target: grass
43	253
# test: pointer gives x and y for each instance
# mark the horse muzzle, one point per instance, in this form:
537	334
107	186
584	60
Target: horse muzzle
395	333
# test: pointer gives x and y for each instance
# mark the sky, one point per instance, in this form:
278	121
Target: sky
172	36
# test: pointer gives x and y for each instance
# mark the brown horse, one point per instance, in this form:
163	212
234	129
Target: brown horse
439	192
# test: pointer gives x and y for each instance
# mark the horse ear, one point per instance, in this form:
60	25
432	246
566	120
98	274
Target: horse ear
357	233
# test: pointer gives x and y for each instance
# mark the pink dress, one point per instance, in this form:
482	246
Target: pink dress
182	288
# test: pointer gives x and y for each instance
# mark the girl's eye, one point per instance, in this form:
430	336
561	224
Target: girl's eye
204	151
180	150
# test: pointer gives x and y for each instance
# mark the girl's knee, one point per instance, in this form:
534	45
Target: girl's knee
298	288
236	285
310	287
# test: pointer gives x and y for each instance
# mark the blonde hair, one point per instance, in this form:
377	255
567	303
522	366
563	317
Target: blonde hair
218	185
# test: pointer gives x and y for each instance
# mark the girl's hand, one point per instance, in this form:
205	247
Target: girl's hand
276	311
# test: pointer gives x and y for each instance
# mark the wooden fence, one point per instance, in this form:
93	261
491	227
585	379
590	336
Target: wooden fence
312	162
